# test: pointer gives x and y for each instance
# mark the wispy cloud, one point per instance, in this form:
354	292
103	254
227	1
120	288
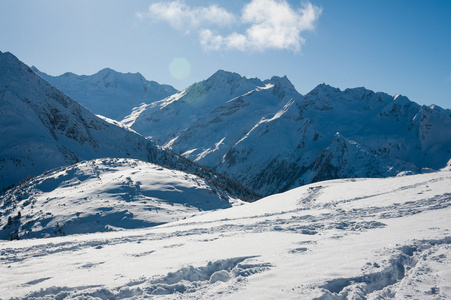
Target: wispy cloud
182	17
269	24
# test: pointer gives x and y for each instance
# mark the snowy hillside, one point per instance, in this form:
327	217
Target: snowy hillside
341	239
109	93
104	195
42	128
269	137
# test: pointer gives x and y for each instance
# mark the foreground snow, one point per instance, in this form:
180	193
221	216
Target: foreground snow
357	239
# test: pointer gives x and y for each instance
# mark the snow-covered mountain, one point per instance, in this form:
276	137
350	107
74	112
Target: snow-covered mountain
175	113
41	128
269	137
109	93
342	239
105	195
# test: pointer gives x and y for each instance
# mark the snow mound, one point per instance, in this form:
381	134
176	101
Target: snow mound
104	195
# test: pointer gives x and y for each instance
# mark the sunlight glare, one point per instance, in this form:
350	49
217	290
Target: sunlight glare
180	68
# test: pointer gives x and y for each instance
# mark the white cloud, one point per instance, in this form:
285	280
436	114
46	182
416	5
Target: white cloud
269	24
210	41
181	16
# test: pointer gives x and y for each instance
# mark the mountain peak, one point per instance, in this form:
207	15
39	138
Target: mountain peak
222	82
8	58
107	70
324	89
283	82
401	100
36	70
110	75
8	55
359	93
338	139
227	76
10	65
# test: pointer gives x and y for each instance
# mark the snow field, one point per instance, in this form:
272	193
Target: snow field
342	239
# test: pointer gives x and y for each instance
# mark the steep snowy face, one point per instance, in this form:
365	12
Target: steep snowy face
432	125
42	128
209	139
105	195
164	119
344	158
109	93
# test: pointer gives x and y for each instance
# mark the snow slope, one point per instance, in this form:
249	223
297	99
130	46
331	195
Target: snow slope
42	129
109	93
104	194
269	137
340	239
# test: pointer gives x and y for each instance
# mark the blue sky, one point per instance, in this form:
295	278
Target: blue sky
399	46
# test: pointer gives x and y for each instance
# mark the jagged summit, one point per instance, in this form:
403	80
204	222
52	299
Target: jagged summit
222	84
110	73
359	93
323	88
9	65
227	76
282	82
401	100
232	77
8	56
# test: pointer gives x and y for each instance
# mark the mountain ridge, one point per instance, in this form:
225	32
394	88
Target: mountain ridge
108	92
233	134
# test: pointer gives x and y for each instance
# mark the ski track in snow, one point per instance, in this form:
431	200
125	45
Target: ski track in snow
291	245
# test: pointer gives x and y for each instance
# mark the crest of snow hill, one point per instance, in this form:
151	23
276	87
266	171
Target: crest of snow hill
241	137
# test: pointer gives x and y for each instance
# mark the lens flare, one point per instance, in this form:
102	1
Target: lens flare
180	68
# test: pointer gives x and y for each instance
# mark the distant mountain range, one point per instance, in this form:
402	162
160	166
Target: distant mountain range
271	138
109	93
261	133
